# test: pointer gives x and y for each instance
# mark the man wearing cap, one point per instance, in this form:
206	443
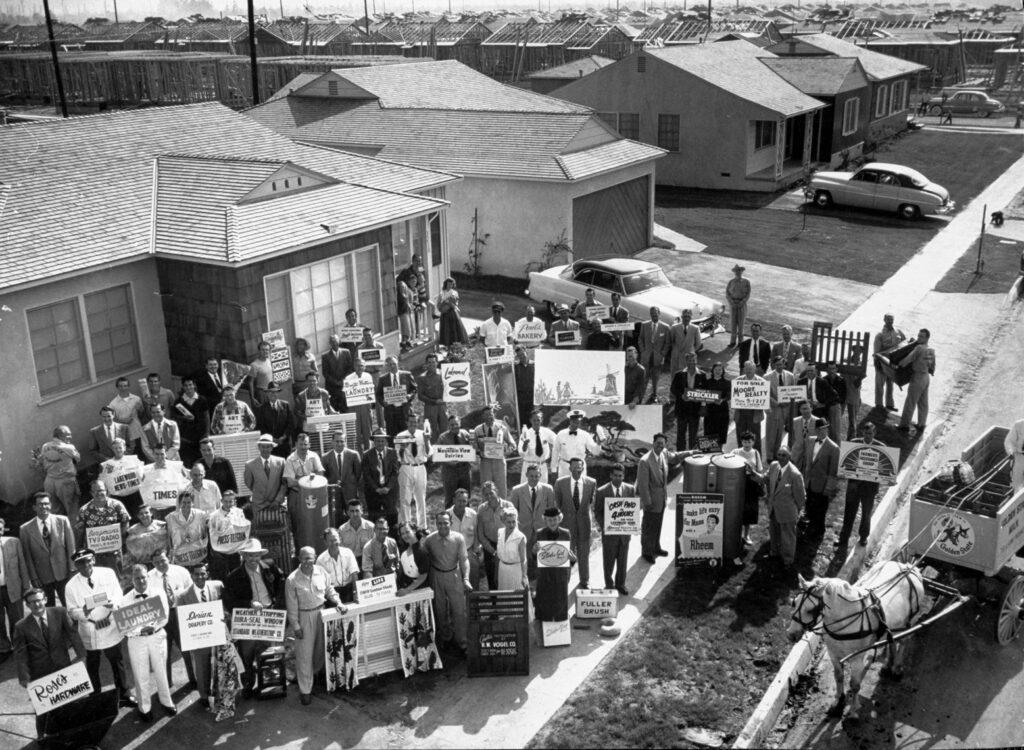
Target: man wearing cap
821	478
654	345
343	467
274	417
737	292
574	496
396	416
493	441
780	413
255	584
685	340
449	578
552	600
414	449
861	494
148	649
888	338
562	325
455	474
201	591
380	479
306	591
572	442
91	594
496	331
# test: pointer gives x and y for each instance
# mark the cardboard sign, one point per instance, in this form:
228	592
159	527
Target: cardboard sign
555	633
447	454
567	338
869	463
121	477
201	625
455	376
315	407
708	445
493	448
358	394
97	600
792	393
141	613
349	334
381	588
622	515
613	327
498	354
281	364
396	395
531	334
59	688
104	538
141	546
700	517
258	624
553	554
372	357
597	603
233	423
596	312
702	396
230	540
750	394
160	487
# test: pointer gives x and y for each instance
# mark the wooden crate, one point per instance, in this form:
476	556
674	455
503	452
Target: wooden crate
499	633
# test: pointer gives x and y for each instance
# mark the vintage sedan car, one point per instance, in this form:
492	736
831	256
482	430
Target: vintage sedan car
641	284
965	103
883	187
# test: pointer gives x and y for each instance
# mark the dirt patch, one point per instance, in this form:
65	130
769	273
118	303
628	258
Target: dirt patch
1001	267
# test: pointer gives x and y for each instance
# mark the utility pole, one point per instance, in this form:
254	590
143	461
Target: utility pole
252	56
115	12
56	64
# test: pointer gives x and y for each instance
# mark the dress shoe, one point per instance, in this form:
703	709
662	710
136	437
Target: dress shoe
863	541
126	701
146	717
648	558
920	427
891	408
171	710
305	698
191	685
661	553
623	591
583	585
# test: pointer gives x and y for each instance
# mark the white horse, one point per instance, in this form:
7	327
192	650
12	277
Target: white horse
851	617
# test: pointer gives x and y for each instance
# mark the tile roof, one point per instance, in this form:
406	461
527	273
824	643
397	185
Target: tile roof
80	190
575	69
734	66
819	76
606	158
879	67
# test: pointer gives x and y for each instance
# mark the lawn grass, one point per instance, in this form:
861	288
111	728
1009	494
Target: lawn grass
1002	266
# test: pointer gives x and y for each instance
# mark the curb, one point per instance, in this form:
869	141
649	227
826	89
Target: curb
763	719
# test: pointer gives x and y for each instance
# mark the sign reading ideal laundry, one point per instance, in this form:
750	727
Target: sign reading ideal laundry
59	688
258	624
553	555
376	589
622	515
201	625
699	523
139	614
750	394
455	376
104	538
869	463
447	454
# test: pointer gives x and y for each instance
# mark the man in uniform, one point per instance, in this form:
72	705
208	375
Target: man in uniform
572	442
737	292
496	331
888	338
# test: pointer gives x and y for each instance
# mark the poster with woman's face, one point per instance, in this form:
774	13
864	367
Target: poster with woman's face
699	527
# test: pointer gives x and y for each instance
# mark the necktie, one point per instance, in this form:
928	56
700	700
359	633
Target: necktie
202	594
533	497
490	431
805	429
576	495
540	448
46	533
42	628
426	442
110	434
168	590
616	492
89	581
414	451
266	467
572	432
664	468
380	467
384	557
813	394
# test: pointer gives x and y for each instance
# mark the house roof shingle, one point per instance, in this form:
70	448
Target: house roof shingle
817	76
575	69
879	67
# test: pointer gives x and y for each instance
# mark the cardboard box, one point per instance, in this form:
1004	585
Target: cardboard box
555	633
597	603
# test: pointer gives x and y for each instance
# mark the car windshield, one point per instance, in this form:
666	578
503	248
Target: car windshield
641	282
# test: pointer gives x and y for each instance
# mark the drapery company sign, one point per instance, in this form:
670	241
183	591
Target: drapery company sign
59	688
201	625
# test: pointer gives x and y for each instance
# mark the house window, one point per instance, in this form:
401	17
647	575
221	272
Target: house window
851	115
898	100
629	125
764	134
668	132
332	88
310	302
610	118
641	64
78	340
881	102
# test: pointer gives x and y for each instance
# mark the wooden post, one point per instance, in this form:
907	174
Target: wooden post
252	57
980	265
56	64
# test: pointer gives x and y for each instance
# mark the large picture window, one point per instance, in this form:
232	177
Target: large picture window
764	134
898	100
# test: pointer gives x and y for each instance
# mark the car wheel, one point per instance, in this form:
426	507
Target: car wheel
823	199
552	309
988	113
909	211
936	110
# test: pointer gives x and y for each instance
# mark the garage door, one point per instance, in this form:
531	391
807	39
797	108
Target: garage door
613	221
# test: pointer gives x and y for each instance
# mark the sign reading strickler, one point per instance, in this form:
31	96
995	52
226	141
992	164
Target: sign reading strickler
455	376
59	688
754	393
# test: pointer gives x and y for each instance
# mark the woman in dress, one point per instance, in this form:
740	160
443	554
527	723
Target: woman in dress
552	601
188	531
716	417
511	549
413	562
755	479
404	299
451	328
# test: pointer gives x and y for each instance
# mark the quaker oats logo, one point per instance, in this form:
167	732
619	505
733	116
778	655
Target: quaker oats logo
953	534
311	501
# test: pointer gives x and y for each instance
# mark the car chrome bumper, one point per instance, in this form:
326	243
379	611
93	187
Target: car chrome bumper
946	208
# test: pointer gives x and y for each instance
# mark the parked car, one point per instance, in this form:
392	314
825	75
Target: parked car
641	284
884	187
965	102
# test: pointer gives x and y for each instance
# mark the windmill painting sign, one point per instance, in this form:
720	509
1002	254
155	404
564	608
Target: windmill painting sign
571	378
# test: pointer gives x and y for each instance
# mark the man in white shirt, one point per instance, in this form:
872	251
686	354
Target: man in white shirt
171	580
205	493
202	590
147	647
414	448
572	442
340	565
464	522
357	531
229	531
161	430
496	331
128	408
530	331
91	594
493	441
306	592
535	446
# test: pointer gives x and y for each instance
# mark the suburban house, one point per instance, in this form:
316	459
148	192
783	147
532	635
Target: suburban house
726	120
286	37
204	36
685	29
520	48
145	241
537	170
890	77
841	83
546	81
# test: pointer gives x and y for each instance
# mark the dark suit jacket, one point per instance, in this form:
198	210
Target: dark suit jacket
347	476
764	354
388	379
371	480
822	472
101	447
238	593
199	427
785	492
48	564
221	472
577	520
654	343
605	491
15	570
824	394
279	421
214	591
531	519
208	388
791	356
37	656
678	388
335	367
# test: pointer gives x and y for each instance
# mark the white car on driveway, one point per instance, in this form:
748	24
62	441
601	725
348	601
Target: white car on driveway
641	284
883	187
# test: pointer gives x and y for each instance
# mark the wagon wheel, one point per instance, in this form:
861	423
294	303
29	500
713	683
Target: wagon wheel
1010	613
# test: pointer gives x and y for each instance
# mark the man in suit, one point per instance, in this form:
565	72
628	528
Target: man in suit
380	479
780	414
218	468
209	383
60	460
921	360
685	340
103	435
524	374
785	501
614	547
336	364
618	314
160	431
654	345
788	349
834	409
396	416
756	350
749	420
343	467
274	417
41	642
587	327
171	580
574	497
264	476
155	394
687	411
801	431
256	584
494	468
652	489
821	477
530	499
561	325
13	582
380	554
820	393
202	590
48	543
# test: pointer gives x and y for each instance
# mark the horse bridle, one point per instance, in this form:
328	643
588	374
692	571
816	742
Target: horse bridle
817	622
816	612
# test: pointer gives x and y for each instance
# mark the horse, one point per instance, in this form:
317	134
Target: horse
852	617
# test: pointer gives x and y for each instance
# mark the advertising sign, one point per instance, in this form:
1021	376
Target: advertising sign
553	555
376	589
750	394
699	527
59	688
395	395
622	515
448	454
358	394
258	624
201	625
455	376
104	538
567	338
497	354
350	334
869	463
792	393
141	613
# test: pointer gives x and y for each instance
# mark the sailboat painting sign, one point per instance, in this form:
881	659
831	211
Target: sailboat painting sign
578	377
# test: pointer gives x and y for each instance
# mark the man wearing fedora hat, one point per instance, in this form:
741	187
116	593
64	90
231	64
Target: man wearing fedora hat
737	292
275	417
564	323
256	584
380	479
264	476
821	476
496	330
